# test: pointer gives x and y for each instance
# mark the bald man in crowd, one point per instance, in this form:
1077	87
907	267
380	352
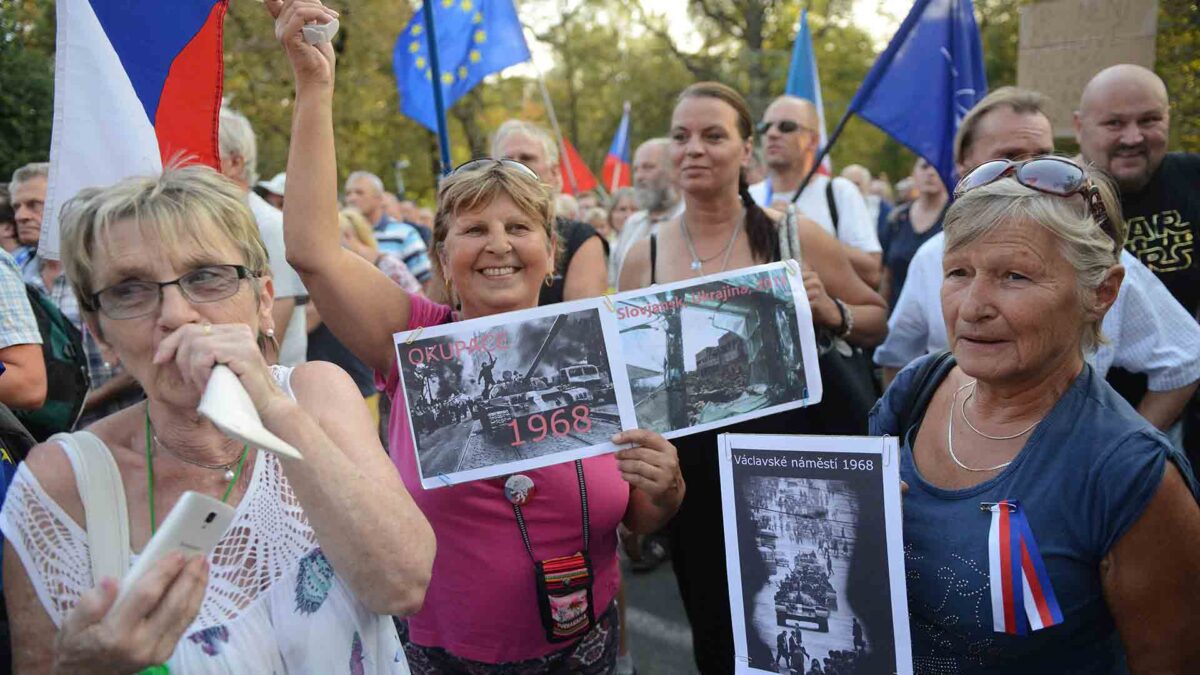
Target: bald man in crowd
790	138
1122	126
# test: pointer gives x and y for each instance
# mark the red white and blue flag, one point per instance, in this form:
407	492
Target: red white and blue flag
617	171
137	83
1022	597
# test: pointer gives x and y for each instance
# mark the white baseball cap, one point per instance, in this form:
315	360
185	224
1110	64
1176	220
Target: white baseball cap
275	185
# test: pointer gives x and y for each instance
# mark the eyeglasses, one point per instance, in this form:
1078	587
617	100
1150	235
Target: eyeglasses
133	299
1049	175
488	162
785	127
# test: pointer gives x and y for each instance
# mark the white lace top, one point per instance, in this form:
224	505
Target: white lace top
273	603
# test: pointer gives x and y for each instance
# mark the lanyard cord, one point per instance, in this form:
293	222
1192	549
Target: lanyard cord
150	474
583	503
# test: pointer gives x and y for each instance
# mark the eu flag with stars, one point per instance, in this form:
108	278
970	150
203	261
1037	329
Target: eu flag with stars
475	38
926	80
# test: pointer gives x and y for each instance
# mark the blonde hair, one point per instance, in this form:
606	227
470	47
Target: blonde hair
353	221
474	190
1089	249
185	207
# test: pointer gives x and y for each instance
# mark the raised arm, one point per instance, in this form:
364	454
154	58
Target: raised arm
358	302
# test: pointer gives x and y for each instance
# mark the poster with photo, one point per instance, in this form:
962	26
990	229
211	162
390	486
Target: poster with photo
512	392
708	353
814	553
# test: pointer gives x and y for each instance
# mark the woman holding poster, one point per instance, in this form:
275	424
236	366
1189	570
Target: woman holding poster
497	600
1048	528
712	136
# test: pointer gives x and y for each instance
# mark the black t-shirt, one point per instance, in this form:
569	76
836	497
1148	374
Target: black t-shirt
1164	224
573	234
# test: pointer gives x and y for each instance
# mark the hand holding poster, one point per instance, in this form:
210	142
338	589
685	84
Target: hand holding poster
522	390
814	553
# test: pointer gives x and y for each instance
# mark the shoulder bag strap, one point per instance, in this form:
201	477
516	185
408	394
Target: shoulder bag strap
653	256
928	378
833	211
103	495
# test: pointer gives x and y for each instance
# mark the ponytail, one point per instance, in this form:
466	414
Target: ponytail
760	229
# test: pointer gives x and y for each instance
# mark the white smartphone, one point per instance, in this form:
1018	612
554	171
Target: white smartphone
193	527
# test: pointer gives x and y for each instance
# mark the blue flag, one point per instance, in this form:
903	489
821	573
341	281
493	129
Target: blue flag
926	80
475	38
805	82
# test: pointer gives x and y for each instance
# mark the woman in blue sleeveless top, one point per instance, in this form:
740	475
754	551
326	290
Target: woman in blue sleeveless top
1105	575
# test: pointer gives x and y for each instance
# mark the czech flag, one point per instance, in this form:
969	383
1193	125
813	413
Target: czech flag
576	176
137	83
617	172
805	82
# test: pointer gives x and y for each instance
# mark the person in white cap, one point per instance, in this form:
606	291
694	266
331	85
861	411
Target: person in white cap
272	190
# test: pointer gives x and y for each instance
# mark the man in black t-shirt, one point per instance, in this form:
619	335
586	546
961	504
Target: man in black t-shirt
1122	126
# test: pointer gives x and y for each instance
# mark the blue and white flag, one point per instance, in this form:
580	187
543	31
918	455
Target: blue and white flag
804	81
475	39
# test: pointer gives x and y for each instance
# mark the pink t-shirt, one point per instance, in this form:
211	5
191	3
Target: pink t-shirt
482	599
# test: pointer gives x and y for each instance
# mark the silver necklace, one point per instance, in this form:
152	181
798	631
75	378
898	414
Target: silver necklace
228	468
697	262
950	437
966	419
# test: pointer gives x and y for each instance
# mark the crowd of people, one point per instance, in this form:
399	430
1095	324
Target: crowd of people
1034	329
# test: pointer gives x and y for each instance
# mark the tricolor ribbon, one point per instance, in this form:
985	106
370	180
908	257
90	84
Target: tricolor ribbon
1022	597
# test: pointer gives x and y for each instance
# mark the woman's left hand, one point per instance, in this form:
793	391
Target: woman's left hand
651	466
197	347
824	310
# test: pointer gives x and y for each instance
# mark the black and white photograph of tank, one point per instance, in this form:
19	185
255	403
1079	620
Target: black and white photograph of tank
489	397
715	353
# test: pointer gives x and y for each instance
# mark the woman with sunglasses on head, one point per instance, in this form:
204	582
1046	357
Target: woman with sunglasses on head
172	278
723	229
494	245
1014	434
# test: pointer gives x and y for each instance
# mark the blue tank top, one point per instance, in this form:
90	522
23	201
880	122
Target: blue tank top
1083	478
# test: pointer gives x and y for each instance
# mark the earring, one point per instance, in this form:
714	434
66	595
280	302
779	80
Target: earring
270	332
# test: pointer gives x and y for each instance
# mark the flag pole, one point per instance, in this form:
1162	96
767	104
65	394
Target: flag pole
439	103
562	147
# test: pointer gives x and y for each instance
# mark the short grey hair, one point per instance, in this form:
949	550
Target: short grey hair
236	137
375	181
523	128
1081	240
29	172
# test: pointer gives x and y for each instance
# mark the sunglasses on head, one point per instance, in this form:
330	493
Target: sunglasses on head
489	162
1049	175
785	127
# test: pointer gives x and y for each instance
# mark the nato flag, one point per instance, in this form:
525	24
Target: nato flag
926	80
475	38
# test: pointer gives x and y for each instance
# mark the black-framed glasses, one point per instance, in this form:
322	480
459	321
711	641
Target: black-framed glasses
488	162
785	127
133	299
1046	174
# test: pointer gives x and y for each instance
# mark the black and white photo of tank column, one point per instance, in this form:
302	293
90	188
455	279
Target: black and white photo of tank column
509	393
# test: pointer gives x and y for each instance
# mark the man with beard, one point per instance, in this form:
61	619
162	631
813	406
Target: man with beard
1122	126
656	196
1148	331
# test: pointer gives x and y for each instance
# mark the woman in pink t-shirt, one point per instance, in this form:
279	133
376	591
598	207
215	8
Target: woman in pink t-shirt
493	246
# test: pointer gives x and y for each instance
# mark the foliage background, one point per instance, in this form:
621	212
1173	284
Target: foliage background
604	52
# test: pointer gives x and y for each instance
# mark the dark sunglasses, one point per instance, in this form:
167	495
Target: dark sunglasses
785	127
489	162
1050	175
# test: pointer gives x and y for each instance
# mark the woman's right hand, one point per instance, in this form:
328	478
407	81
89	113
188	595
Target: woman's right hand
140	632
312	64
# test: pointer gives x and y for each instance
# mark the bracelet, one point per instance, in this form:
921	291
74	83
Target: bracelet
847	325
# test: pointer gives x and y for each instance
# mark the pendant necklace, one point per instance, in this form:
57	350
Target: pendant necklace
697	261
229	467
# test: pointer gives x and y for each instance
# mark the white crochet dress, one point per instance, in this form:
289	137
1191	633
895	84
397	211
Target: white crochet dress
273	603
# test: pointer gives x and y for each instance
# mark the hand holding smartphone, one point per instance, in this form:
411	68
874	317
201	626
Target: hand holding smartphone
193	527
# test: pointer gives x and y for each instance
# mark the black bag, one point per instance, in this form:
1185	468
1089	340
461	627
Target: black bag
67	379
850	390
15	443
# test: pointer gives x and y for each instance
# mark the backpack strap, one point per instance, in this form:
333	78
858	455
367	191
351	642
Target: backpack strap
833	212
104	507
928	378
